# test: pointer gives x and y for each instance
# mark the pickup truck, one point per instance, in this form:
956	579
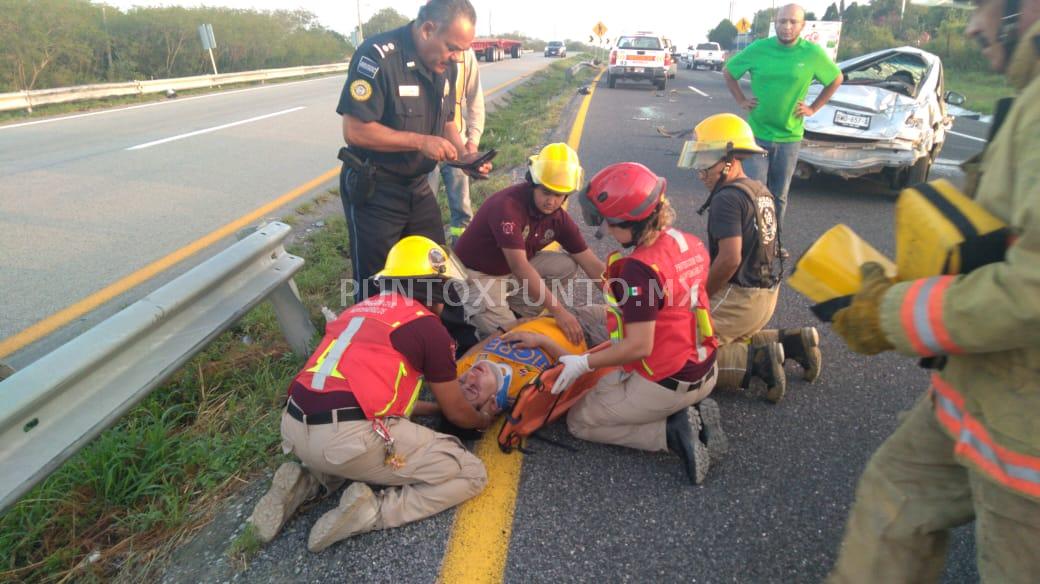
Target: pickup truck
705	55
642	56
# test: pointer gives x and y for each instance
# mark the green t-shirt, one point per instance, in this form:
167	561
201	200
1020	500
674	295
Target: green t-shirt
780	78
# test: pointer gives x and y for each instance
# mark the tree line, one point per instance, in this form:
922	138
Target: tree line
882	24
58	43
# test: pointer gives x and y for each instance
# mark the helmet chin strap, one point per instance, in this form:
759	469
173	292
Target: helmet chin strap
718	185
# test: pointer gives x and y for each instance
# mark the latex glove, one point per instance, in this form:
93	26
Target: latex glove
860	324
574	366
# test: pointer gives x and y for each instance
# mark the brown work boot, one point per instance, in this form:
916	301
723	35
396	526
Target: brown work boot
766	362
711	432
682	432
356	513
291	486
803	346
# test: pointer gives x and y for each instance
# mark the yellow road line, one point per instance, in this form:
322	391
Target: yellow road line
479	543
74	311
502	86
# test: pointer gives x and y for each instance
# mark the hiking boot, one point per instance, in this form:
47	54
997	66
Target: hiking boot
711	428
766	362
356	513
291	486
803	345
682	431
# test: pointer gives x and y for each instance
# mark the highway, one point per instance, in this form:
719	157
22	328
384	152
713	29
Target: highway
98	209
774	510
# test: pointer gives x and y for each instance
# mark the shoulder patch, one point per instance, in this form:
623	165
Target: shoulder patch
367	67
360	90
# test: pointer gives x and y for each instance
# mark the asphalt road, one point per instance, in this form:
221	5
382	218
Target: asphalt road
774	510
86	200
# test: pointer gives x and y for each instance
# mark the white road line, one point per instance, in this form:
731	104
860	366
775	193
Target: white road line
947	162
153	104
695	90
213	129
966	136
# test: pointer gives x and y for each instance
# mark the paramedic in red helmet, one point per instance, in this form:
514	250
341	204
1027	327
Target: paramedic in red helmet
659	327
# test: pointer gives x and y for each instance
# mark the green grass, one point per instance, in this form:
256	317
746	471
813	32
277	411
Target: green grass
165	466
982	89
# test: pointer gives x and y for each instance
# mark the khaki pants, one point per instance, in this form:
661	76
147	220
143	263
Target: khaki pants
912	493
438	472
737	312
491	301
627	409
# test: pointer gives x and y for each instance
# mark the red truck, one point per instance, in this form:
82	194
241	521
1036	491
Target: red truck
492	50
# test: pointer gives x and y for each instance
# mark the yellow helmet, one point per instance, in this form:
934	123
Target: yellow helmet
718	136
416	256
557	168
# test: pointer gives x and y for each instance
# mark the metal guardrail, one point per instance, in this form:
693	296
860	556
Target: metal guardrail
29	99
56	405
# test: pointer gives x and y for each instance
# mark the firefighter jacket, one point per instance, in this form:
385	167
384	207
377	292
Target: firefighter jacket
987	322
356	356
683	330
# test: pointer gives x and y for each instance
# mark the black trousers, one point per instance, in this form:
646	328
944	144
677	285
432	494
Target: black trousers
397	209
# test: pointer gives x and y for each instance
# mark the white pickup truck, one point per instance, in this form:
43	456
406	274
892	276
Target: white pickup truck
705	55
642	56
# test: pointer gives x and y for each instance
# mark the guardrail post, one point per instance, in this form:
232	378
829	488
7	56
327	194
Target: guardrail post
292	315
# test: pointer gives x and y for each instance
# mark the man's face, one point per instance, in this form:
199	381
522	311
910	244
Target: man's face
547	201
478	384
984	27
711	175
790	21
441	47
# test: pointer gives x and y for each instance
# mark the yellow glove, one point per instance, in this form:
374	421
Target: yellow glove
860	324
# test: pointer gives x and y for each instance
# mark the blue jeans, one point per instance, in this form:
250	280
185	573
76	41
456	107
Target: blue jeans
456	184
775	170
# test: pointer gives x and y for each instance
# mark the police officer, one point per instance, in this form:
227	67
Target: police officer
398	120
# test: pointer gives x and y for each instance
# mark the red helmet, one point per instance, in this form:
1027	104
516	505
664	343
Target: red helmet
626	191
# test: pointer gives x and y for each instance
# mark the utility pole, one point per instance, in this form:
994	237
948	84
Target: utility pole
108	42
360	33
731	10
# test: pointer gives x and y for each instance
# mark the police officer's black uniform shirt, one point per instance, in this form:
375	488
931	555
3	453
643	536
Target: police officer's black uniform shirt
388	83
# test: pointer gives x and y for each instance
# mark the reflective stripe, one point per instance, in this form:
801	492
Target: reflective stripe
402	371
922	317
328	366
1012	469
415	397
679	239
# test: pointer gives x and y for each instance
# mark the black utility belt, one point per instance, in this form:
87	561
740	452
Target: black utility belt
674	384
351	414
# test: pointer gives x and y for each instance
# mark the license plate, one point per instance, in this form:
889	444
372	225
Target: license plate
851	120
637	69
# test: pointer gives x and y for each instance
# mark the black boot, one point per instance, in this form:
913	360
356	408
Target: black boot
681	432
803	345
711	428
766	362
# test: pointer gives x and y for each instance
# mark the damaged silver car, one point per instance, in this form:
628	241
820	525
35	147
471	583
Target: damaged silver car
888	117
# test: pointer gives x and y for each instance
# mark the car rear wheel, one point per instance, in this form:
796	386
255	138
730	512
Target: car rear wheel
919	172
611	80
661	84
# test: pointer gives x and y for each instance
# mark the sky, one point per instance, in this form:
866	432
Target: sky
683	22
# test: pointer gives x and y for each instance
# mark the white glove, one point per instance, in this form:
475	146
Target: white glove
574	366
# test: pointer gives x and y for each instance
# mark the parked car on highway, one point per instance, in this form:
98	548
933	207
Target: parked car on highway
641	56
888	117
708	55
555	49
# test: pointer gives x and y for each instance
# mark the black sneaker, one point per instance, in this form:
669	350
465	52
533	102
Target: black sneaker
681	431
711	428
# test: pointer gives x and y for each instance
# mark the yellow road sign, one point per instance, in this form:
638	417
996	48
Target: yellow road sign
600	29
743	25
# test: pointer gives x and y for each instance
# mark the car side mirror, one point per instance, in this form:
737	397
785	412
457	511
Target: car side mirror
954	98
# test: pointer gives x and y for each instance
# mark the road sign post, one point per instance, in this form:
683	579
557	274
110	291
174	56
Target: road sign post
599	30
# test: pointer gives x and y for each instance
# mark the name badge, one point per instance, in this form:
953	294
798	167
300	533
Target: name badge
408	90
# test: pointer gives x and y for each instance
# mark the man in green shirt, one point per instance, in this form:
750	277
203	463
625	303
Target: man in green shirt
782	67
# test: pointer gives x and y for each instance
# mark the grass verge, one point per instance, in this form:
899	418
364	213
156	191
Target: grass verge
161	472
982	89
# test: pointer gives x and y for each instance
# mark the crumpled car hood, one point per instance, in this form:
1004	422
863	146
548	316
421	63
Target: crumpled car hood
888	111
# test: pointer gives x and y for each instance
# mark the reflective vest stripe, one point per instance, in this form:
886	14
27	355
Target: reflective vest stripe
401	373
922	317
973	442
328	366
679	239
